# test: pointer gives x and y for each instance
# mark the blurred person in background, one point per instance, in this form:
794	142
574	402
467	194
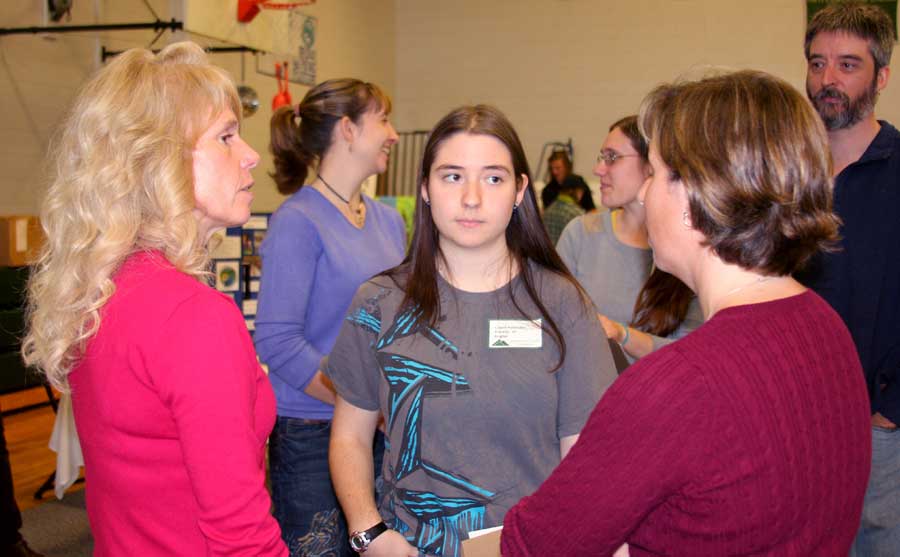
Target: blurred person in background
559	167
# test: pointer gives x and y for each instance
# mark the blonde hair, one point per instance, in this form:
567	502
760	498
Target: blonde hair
122	183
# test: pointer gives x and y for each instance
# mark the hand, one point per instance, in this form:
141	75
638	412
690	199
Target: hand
880	421
391	544
613	329
321	388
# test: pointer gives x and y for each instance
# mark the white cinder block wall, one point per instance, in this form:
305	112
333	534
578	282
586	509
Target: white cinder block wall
569	68
558	68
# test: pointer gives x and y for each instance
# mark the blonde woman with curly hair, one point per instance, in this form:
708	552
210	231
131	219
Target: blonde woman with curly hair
171	406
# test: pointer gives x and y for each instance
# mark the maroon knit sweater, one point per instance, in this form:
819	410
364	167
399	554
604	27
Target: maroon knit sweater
749	436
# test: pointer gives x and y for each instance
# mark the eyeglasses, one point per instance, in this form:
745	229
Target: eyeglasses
610	157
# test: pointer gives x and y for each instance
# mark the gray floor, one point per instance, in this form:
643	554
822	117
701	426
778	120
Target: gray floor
59	528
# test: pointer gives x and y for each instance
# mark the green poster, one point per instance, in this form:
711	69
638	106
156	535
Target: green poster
890	6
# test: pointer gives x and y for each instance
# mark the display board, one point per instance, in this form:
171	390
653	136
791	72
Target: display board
237	264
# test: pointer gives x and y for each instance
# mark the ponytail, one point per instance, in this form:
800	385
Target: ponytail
292	160
300	139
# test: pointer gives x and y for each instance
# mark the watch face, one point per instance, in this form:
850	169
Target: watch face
359	542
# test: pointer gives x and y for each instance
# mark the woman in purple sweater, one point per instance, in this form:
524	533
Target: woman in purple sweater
751	435
323	242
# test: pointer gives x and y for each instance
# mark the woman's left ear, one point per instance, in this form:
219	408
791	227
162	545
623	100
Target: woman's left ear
348	129
684	203
521	186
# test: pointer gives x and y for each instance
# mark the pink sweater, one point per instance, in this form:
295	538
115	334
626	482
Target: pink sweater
750	436
173	413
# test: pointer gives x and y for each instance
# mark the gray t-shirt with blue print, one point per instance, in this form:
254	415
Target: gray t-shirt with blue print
473	416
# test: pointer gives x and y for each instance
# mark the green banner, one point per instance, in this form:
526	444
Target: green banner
889	6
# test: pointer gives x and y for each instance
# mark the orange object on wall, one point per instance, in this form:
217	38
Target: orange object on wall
247	10
21	238
283	96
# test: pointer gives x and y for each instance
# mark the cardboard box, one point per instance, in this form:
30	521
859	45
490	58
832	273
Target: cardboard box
21	238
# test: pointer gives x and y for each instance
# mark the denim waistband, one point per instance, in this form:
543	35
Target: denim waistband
303	421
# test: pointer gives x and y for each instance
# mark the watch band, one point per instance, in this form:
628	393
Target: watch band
360	540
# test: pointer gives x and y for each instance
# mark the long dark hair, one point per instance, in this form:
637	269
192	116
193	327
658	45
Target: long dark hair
526	236
663	301
662	304
301	135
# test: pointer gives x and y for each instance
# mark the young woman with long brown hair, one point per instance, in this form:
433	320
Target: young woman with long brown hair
480	350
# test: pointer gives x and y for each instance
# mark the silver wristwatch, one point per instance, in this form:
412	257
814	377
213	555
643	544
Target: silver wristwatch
360	540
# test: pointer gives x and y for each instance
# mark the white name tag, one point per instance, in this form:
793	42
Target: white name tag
515	333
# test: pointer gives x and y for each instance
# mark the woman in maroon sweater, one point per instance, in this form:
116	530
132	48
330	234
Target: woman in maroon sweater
750	435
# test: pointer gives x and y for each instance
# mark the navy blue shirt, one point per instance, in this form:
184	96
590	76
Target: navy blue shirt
862	280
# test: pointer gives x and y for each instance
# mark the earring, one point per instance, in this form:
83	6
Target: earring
686	219
515	207
427	203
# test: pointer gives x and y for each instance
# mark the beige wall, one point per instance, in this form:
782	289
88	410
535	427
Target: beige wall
355	38
559	68
569	68
39	76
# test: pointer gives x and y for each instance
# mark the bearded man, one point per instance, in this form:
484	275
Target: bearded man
848	50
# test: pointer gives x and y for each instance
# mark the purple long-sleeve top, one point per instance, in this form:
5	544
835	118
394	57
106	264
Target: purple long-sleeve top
313	262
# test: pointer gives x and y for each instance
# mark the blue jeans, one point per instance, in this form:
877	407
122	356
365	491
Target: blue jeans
879	533
306	508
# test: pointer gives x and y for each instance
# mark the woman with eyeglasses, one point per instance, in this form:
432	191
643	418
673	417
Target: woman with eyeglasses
608	252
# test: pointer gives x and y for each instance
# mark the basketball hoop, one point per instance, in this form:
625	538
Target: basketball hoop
247	9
